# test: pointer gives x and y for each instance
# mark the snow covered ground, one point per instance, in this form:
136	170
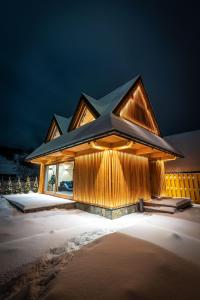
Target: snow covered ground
25	238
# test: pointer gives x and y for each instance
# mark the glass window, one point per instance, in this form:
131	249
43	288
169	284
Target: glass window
50	180
65	178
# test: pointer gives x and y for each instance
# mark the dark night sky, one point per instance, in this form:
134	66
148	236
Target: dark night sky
51	51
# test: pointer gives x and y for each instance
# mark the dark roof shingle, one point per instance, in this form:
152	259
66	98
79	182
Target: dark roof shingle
107	123
63	122
104	125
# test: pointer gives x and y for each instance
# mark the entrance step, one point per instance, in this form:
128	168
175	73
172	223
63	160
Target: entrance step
163	209
170	202
159	203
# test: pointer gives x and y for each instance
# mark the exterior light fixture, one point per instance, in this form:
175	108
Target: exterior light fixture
98	146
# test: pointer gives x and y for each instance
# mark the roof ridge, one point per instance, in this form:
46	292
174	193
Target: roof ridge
60	116
108	102
62	122
88	96
131	81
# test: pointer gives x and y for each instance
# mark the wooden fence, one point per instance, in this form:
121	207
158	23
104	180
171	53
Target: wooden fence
183	185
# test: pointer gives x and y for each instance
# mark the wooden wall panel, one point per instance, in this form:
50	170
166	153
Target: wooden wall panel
157	178
183	185
111	178
41	178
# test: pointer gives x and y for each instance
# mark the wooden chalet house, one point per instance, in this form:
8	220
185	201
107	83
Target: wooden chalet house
108	155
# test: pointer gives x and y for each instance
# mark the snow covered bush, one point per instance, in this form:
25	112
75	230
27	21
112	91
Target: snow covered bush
18	186
27	185
35	185
8	187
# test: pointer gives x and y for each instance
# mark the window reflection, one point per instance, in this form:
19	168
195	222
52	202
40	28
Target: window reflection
50	182
64	174
65	178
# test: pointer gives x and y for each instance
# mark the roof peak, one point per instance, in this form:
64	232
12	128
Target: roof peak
62	122
127	84
87	96
108	102
60	116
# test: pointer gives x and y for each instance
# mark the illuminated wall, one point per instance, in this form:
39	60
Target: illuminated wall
86	117
183	185
137	110
111	179
157	178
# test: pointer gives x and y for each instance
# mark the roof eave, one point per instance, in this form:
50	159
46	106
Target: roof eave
107	133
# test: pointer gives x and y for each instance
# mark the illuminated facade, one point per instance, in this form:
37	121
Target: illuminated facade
109	154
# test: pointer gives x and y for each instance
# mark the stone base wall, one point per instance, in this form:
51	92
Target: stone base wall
109	213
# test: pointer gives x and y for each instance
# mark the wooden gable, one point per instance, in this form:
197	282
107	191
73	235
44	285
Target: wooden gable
53	132
83	115
136	108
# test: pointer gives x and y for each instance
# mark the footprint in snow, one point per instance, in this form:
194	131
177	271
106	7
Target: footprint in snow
176	236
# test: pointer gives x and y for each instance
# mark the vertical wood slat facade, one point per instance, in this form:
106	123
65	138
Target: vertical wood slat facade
111	179
183	185
157	178
41	178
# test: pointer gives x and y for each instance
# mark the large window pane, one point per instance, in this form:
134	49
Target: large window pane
65	178
50	180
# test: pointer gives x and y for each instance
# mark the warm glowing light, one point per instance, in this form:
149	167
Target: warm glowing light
94	145
137	110
126	145
53	132
111	178
166	159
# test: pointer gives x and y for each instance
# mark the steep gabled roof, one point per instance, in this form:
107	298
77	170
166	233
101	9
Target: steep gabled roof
113	101
92	101
106	123
103	126
62	122
109	102
84	100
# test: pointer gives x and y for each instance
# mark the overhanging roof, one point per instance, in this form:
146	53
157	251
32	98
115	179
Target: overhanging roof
105	125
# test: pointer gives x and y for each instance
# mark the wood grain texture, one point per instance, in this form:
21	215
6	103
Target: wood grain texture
137	109
157	178
41	178
111	179
183	185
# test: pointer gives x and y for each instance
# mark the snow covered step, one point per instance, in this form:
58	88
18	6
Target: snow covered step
165	209
170	202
